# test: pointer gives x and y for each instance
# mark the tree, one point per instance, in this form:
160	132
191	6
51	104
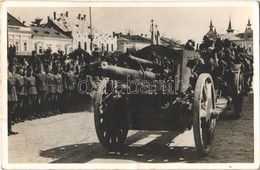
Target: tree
37	22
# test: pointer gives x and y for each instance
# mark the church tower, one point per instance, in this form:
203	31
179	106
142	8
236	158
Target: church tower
230	30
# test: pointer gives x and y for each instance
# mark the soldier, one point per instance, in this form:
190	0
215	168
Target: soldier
58	88
42	90
69	86
32	93
34	60
12	97
190	45
220	57
76	95
229	54
20	88
51	90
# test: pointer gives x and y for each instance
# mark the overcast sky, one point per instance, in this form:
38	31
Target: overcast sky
181	23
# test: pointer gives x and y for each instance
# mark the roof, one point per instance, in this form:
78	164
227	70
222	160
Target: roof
238	36
212	34
48	32
134	38
11	20
248	34
20	31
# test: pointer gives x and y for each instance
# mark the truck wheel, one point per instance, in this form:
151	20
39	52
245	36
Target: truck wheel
203	121
107	118
238	95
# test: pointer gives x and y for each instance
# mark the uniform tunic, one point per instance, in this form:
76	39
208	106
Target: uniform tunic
50	82
12	96
58	83
31	85
70	81
20	85
41	82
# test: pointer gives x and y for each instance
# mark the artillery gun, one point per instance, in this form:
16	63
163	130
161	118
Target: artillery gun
150	90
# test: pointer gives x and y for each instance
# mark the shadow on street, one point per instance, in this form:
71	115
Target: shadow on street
155	151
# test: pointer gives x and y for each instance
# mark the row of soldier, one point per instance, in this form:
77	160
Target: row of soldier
219	58
40	88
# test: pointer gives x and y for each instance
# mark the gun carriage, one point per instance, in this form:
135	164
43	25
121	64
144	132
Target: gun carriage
151	90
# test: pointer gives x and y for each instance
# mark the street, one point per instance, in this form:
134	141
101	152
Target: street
71	138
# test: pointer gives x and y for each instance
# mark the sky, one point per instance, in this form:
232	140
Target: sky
180	23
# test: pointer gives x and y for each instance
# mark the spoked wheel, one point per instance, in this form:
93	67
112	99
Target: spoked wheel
238	96
108	121
203	121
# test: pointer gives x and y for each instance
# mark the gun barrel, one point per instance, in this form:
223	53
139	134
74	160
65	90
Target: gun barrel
121	72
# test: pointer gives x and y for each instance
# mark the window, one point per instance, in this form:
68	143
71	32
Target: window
112	47
25	46
102	47
250	49
85	46
17	46
79	45
107	47
40	49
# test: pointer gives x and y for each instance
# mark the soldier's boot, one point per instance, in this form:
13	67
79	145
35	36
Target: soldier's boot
10	131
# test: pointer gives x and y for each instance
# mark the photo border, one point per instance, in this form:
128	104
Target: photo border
3	86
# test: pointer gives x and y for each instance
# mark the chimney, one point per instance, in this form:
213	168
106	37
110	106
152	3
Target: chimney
114	34
23	22
48	18
79	16
54	15
61	14
84	16
142	35
145	35
67	14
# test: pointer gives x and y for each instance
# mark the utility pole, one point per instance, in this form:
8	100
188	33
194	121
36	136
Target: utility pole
91	36
152	32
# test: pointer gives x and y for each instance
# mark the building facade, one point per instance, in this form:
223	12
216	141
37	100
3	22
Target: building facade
244	40
131	42
19	36
79	29
48	38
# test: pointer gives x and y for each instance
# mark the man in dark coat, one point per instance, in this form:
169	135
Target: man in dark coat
34	60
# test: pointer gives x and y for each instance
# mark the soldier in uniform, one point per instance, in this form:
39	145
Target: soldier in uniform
42	90
34	60
58	87
69	86
51	90
20	88
229	54
12	97
32	93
